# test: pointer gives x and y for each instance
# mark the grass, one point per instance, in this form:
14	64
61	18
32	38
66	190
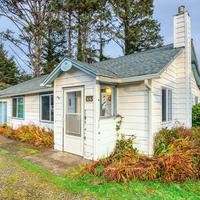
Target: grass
88	186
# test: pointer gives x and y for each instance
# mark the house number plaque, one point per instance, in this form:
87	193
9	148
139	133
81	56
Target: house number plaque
89	98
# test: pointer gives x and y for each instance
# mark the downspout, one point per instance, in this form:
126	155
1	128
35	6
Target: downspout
148	85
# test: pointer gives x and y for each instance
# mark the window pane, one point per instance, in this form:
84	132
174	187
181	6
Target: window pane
14	107
45	107
164	105
106	101
52	108
20	107
74	102
169	105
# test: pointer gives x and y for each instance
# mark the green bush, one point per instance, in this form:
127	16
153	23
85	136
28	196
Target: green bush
196	115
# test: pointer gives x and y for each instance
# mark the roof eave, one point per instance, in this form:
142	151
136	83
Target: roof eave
128	79
27	93
57	71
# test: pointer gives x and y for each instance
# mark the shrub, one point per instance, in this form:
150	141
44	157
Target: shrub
35	135
144	169
178	167
30	134
7	131
196	115
176	158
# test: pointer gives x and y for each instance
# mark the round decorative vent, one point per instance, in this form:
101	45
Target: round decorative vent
66	65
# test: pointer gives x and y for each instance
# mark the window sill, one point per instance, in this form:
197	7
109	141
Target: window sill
17	118
110	117
166	123
47	122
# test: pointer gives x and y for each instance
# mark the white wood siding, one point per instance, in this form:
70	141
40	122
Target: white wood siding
167	80
31	112
133	106
75	78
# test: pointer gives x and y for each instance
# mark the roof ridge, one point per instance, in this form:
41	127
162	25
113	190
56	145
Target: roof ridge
138	52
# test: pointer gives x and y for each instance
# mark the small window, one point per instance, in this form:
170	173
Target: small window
18	107
47	110
166	105
196	100
107	101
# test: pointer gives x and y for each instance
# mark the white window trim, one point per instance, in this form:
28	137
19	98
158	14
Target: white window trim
167	106
114	101
21	118
41	120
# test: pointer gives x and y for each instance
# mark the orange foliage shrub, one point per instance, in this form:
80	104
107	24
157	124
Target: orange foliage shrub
177	158
30	134
178	167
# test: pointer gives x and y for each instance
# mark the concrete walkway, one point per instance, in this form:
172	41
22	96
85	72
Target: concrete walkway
55	161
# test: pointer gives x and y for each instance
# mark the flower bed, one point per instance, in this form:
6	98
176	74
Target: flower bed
30	134
176	158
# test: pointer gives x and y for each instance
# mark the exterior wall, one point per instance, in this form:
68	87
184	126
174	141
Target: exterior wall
31	112
167	80
75	78
133	106
195	90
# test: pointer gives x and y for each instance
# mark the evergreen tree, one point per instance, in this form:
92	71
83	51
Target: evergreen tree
9	74
134	26
54	46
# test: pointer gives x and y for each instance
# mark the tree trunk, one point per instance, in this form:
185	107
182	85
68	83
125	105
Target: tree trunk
69	50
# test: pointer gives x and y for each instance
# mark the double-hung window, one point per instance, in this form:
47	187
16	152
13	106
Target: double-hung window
46	107
166	105
107	101
18	107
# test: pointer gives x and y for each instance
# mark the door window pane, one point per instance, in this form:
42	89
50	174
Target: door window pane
73	113
74	102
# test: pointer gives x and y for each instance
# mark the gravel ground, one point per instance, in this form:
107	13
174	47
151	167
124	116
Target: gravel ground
16	183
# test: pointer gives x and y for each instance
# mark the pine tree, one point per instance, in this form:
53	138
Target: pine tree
134	26
54	45
9	74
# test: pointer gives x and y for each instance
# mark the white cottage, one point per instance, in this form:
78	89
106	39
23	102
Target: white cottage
151	89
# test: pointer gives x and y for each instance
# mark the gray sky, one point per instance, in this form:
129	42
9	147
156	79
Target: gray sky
164	11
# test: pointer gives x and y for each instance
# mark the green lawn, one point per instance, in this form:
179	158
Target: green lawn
21	179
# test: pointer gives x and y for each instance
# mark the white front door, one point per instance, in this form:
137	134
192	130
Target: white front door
73	121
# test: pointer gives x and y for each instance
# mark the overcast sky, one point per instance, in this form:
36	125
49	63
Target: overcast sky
163	12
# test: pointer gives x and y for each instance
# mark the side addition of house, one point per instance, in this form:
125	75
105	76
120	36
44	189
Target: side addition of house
151	89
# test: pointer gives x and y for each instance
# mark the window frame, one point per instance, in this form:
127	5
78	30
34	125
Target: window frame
50	117
17	114
167	105
113	101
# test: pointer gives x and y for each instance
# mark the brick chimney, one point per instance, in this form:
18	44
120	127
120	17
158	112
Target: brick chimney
182	38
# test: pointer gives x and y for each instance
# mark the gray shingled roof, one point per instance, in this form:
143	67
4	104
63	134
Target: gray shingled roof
142	63
30	86
137	64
